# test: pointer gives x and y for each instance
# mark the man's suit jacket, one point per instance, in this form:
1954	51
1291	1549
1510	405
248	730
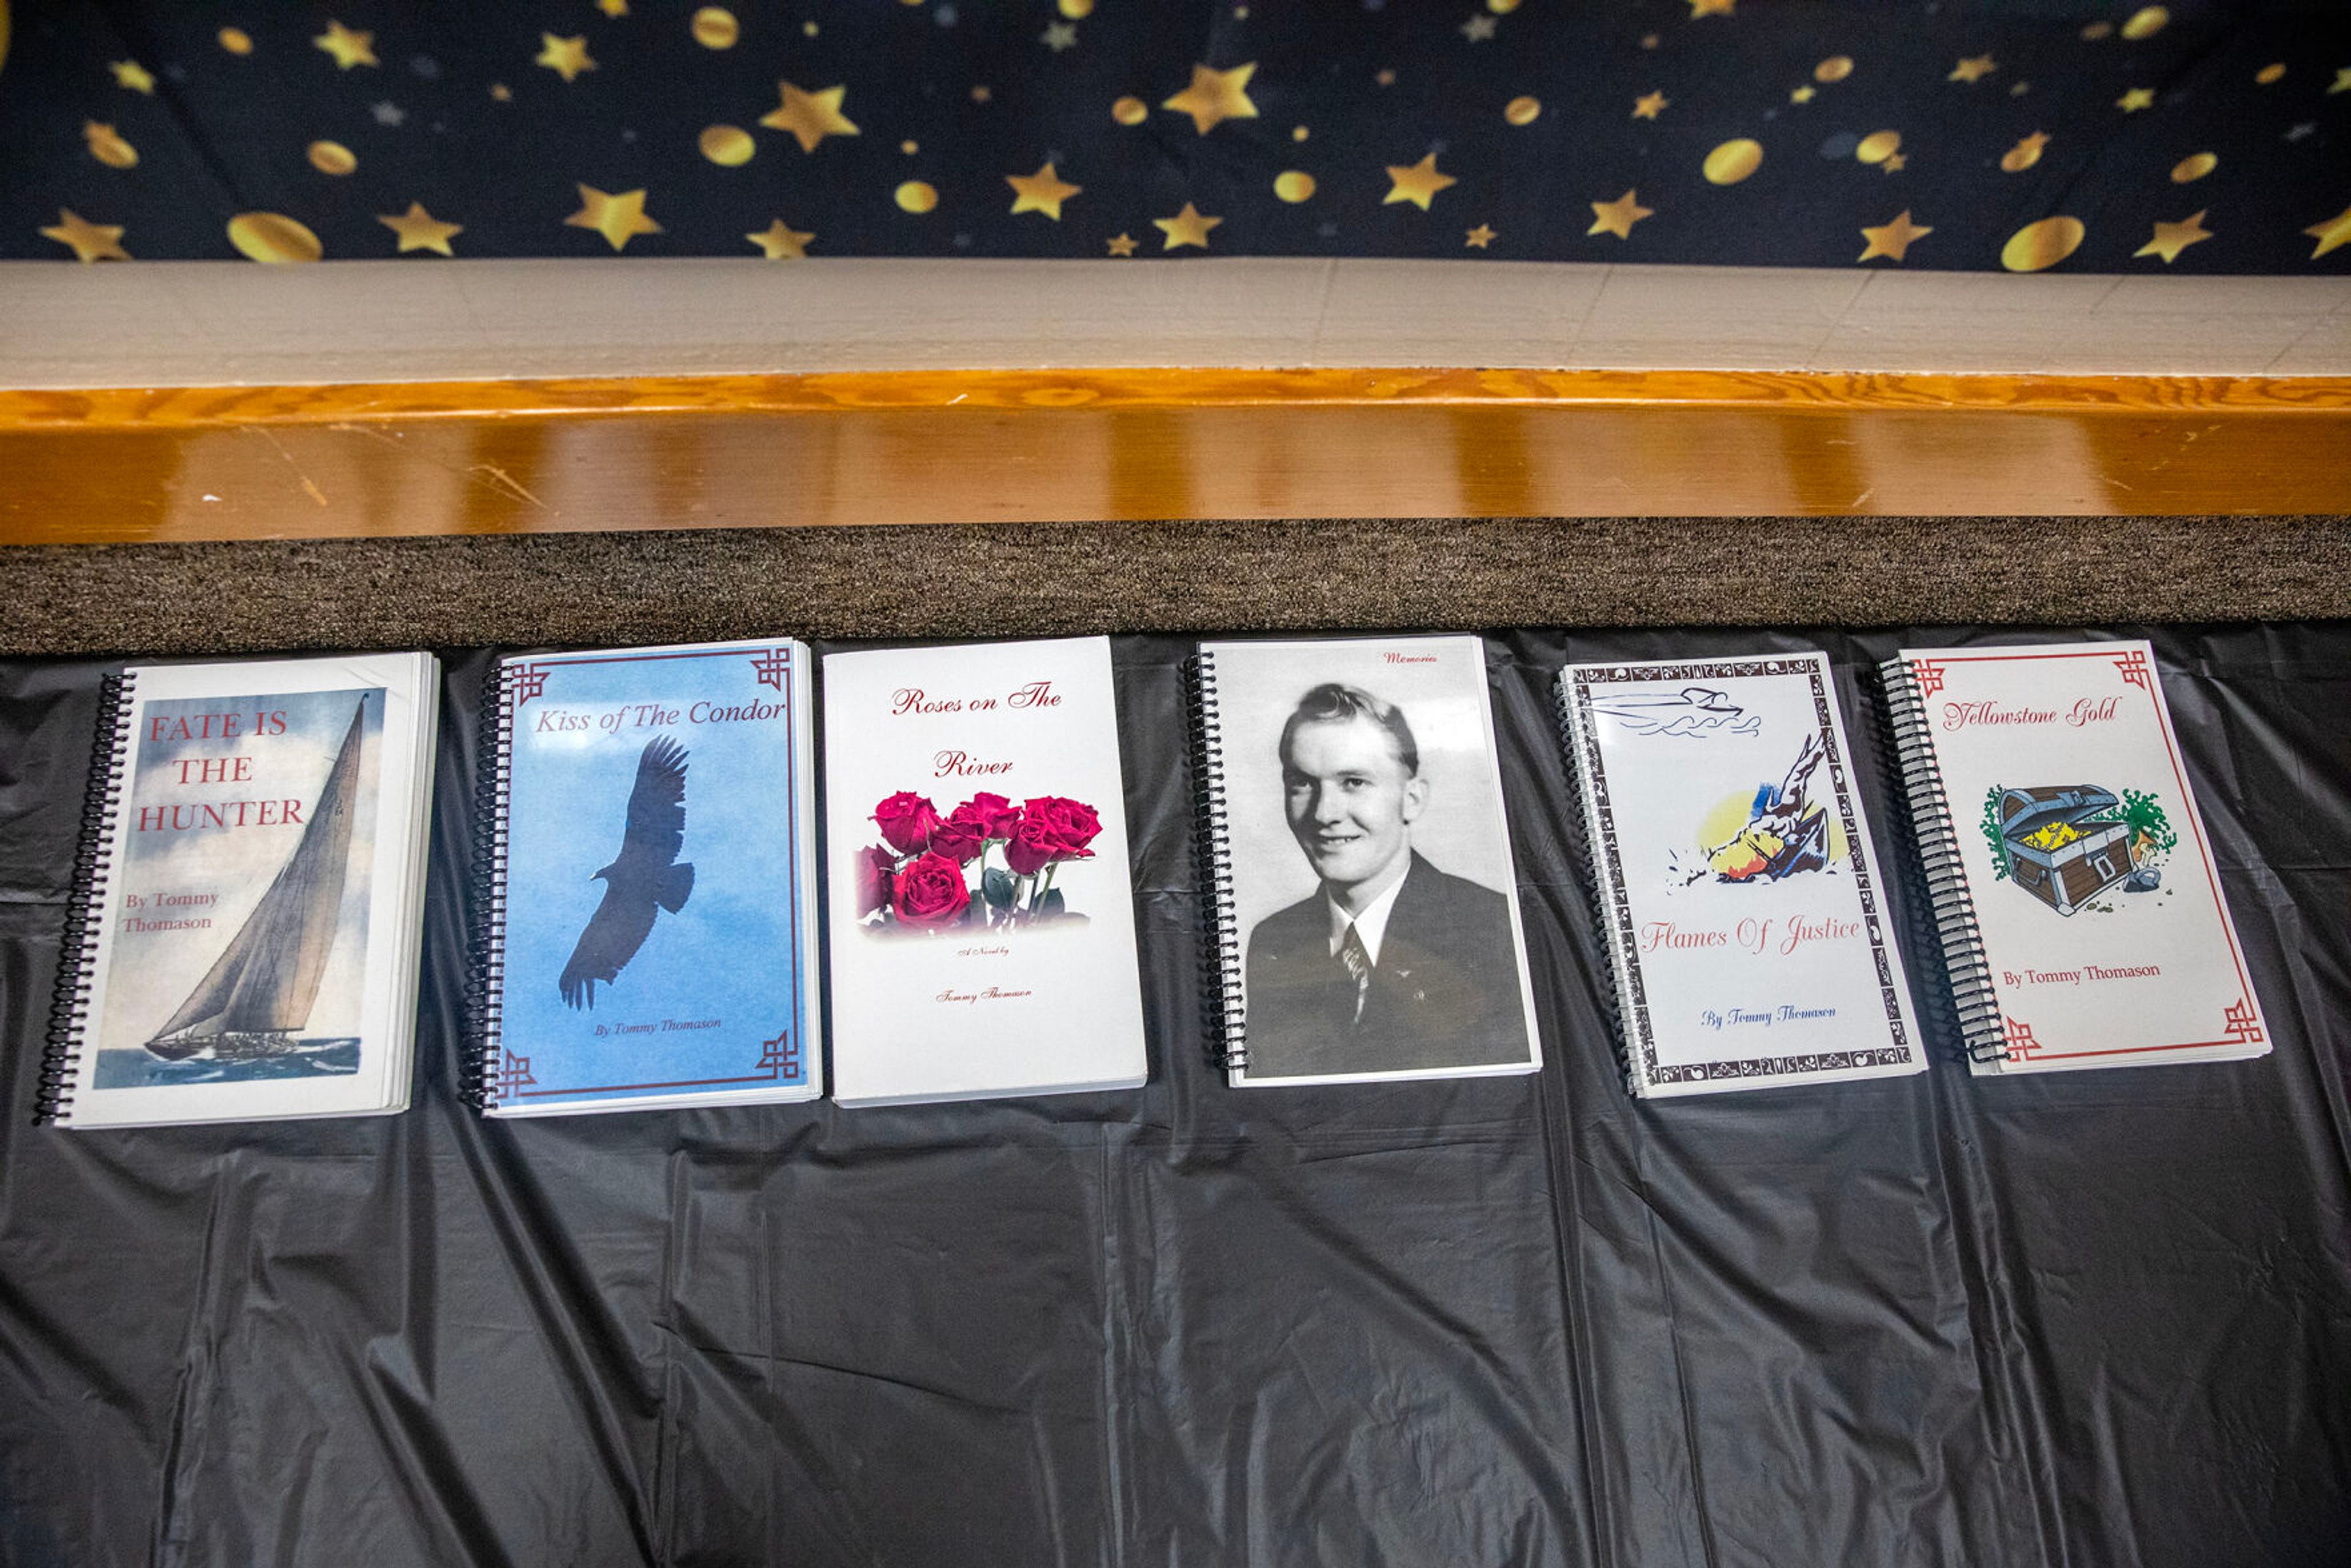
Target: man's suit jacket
1445	992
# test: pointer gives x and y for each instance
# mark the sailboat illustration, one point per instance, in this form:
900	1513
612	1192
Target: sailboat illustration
256	997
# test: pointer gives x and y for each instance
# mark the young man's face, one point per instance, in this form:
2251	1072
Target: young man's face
1349	799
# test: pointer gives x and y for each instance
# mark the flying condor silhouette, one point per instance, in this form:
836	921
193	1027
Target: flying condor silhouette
645	874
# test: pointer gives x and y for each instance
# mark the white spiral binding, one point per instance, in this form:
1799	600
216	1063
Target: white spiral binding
1939	852
494	790
1222	1011
86	904
1613	1001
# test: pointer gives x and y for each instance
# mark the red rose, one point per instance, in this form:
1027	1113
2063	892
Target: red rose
961	837
931	892
876	876
1032	847
908	822
1069	825
998	815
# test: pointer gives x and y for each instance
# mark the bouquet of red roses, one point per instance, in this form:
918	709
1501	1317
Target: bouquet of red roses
920	876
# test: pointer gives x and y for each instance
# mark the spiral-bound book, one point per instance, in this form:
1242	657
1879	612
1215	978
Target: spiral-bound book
2076	893
644	885
982	897
242	933
1739	888
1363	902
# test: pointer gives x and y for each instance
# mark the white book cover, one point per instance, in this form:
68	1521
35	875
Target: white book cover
249	950
982	914
1741	893
1367	902
2104	939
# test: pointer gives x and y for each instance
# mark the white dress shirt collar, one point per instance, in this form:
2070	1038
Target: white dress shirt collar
1372	924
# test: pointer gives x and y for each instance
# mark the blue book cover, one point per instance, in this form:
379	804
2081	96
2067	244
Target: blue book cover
653	930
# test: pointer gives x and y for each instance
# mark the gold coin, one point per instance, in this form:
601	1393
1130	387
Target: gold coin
2042	244
910	146
2194	166
2097	31
2270	73
236	40
2021	156
273	237
1522	110
916	196
1501	7
1076	10
2146	22
1733	162
1836	68
108	147
332	158
714	27
728	146
1293	184
1130	111
1878	146
1298	134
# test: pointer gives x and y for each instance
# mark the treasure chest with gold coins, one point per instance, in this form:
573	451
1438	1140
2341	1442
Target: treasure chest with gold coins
2062	847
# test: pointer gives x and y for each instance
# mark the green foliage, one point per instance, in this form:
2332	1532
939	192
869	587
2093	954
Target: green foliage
2146	820
996	887
1993	835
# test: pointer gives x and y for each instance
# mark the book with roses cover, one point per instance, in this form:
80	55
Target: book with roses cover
645	884
982	913
1739	891
2075	891
243	930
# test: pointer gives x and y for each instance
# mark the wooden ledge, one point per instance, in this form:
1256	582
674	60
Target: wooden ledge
1002	445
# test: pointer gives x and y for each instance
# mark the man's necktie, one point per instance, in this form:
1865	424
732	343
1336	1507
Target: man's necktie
1359	965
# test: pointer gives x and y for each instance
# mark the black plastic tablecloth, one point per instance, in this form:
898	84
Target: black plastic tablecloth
2098	1318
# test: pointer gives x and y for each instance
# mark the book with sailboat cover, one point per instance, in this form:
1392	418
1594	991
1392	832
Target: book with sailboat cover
242	937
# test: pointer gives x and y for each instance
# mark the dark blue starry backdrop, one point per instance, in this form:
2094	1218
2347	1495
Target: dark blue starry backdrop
2192	137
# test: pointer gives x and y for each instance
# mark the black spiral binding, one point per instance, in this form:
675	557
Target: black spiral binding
486	978
1222	1015
1938	839
85	906
1583	824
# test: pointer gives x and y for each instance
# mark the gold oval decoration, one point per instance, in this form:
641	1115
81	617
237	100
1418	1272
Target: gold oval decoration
1733	162
728	146
1076	10
1293	184
108	148
2023	155
1836	68
910	146
236	40
2194	166
332	158
1129	111
916	196
2036	246
1878	146
273	237
714	27
1522	110
1501	7
2096	30
2146	23
2274	71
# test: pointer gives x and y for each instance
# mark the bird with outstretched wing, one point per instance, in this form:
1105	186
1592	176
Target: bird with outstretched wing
645	873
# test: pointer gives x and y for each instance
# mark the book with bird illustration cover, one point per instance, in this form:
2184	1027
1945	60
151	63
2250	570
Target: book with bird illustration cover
243	938
649	935
982	908
1740	896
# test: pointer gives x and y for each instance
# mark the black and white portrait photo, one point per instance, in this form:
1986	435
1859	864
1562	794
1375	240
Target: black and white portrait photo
1370	870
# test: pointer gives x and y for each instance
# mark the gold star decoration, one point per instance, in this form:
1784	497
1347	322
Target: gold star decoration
1973	68
566	58
90	241
132	75
2136	98
1805	94
1186	227
2342	81
2333	234
1122	244
1478	29
618	219
1617	217
501	92
1646	106
1893	163
2170	239
810	117
1892	240
777	243
615	8
1479	238
1415	183
2025	153
1057	36
1043	191
420	230
1216	97
350	48
1710	9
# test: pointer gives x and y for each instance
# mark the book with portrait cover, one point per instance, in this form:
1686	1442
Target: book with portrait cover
2081	915
646	888
982	905
1363	902
1740	890
243	934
